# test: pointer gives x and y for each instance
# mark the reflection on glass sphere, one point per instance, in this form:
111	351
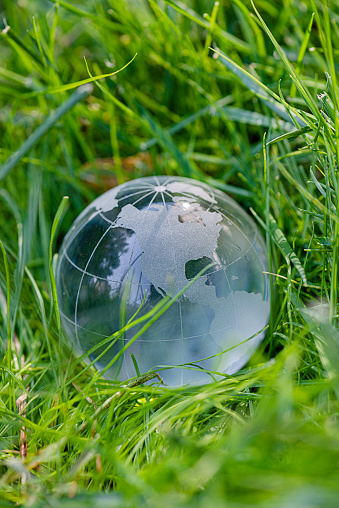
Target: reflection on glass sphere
146	240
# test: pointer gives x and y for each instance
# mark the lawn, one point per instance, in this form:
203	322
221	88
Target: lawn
238	95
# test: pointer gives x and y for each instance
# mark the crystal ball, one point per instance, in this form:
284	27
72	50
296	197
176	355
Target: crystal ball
136	248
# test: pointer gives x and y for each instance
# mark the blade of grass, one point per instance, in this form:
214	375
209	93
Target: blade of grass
273	229
13	378
326	41
33	54
166	141
291	135
303	91
56	222
193	16
255	35
327	342
269	98
79	94
302	52
116	102
315	202
85	14
212	20
70	86
188	120
8	303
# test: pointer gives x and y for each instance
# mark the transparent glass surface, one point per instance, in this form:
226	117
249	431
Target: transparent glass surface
146	240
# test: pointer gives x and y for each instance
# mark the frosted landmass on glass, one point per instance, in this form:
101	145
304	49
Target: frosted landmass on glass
144	240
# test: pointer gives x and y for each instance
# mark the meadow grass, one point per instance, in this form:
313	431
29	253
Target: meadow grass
244	97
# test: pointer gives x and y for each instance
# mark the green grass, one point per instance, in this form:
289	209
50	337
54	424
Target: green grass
256	116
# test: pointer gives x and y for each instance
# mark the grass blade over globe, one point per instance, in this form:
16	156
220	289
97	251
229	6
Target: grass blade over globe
144	241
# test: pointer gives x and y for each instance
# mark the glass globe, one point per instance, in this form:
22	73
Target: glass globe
145	241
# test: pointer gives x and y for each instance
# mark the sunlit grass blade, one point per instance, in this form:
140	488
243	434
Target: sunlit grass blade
70	86
115	101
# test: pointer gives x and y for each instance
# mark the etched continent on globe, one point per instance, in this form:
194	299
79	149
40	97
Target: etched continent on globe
148	239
